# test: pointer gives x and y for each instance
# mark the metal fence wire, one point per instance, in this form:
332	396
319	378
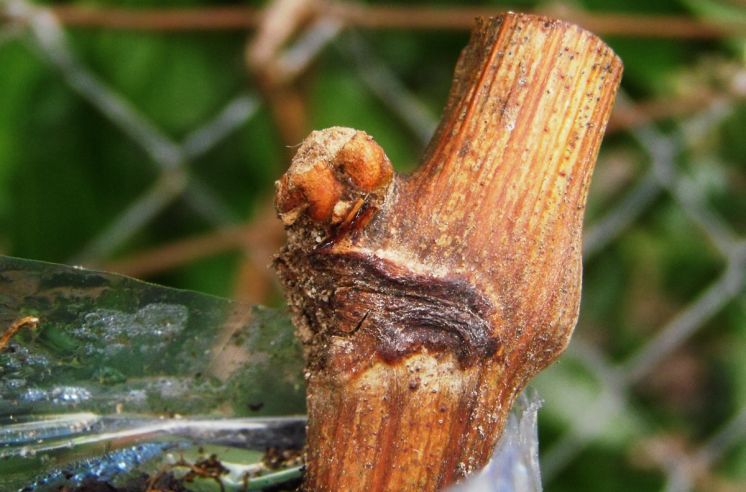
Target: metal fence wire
594	415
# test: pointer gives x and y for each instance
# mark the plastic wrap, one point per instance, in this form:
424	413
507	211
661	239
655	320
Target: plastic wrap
121	379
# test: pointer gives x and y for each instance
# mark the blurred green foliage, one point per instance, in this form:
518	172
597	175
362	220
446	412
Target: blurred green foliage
66	173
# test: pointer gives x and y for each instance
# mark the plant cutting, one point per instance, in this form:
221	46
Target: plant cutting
425	303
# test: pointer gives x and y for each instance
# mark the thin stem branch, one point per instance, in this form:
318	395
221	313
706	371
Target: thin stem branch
259	235
409	17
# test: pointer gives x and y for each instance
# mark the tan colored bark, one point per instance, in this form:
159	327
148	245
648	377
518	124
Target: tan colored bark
425	303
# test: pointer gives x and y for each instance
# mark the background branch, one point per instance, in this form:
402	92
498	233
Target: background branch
385	17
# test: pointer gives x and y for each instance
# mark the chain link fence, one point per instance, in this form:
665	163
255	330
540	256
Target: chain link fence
587	417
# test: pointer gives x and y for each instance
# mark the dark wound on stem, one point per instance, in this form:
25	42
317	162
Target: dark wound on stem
401	311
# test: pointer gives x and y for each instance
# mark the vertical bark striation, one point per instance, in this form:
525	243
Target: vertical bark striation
425	303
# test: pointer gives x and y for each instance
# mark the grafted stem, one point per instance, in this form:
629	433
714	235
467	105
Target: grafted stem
425	303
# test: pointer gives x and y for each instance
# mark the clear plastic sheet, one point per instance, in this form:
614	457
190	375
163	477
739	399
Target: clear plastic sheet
514	466
119	374
121	379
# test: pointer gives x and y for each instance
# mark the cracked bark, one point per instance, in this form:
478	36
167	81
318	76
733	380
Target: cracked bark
426	302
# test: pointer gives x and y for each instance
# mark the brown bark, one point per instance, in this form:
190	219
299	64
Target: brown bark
426	302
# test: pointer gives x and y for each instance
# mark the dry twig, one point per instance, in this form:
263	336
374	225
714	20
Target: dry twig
384	17
27	321
425	303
